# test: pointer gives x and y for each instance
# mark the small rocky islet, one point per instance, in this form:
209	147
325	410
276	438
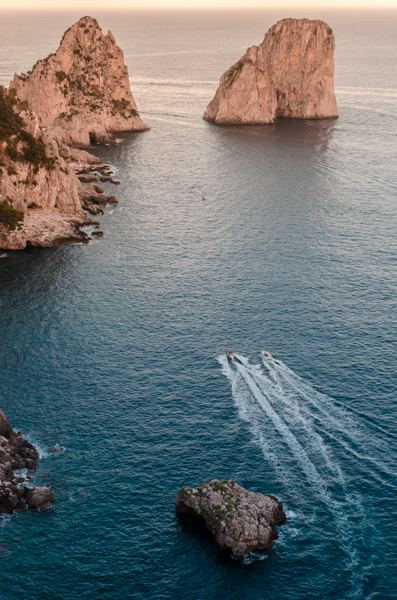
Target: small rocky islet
240	521
17	453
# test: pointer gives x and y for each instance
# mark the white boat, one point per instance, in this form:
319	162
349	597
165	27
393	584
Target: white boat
267	355
230	356
3	255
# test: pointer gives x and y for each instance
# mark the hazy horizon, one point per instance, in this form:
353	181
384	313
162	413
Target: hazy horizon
194	4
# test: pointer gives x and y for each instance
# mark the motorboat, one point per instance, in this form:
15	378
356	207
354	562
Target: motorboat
230	356
3	255
267	355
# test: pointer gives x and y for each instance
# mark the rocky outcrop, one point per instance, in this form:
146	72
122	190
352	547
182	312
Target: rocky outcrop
82	92
5	427
240	521
291	74
39	192
92	197
39	497
16	453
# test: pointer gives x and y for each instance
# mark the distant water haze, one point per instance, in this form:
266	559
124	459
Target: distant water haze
115	350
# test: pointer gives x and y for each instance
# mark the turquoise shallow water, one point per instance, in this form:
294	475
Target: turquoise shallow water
114	350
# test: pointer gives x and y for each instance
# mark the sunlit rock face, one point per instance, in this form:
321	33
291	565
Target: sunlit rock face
36	181
291	74
82	91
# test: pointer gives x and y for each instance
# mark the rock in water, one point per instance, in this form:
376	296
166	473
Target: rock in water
291	74
39	497
17	453
240	521
5	427
82	91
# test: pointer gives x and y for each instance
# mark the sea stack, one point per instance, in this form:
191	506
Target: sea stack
291	74
240	521
82	92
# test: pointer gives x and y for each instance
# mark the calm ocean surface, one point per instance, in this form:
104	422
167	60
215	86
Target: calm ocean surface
115	350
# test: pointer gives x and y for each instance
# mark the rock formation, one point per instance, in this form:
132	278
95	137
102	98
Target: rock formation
92	197
77	95
82	91
39	193
240	521
291	74
16	453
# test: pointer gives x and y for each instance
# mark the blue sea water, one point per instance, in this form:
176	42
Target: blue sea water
114	350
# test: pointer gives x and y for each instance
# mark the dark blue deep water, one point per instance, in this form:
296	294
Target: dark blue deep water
115	350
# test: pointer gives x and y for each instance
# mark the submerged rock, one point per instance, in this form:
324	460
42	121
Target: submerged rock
291	74
241	521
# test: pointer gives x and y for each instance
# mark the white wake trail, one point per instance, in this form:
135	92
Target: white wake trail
296	448
342	422
275	393
313	476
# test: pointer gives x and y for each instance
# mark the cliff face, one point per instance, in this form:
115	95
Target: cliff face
39	194
289	75
82	91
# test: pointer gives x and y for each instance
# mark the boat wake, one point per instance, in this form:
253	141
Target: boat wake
301	420
336	423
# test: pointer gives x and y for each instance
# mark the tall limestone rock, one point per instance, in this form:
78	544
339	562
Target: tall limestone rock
291	74
39	193
82	91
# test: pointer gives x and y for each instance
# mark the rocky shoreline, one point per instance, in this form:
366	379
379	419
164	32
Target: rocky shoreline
240	521
17	492
75	97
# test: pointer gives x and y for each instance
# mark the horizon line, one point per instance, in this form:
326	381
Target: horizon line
197	7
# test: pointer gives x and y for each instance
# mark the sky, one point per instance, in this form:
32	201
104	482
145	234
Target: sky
192	3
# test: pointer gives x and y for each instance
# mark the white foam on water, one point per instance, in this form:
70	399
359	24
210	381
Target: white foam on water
38	445
337	417
246	373
291	410
248	559
247	413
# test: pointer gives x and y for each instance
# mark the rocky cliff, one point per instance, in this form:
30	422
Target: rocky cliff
82	91
291	74
17	492
39	193
241	521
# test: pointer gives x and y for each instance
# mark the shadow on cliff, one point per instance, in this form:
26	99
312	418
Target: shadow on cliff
195	529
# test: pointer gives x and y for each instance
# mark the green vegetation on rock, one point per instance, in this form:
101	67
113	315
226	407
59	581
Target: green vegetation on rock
21	145
10	216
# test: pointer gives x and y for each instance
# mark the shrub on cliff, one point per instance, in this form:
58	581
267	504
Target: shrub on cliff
10	122
13	131
10	216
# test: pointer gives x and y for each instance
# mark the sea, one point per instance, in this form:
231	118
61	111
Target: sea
279	237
